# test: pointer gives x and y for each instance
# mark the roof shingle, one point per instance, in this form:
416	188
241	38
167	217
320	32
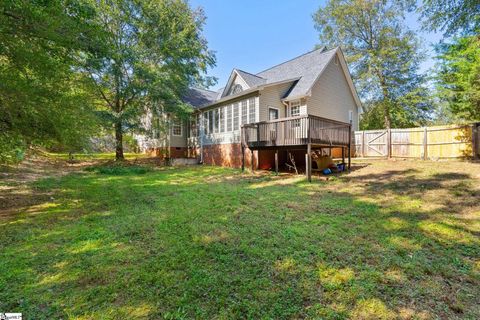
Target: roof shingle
305	69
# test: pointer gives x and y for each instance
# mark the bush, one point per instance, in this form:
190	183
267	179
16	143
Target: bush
12	149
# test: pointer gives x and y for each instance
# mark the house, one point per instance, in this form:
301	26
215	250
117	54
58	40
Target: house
286	107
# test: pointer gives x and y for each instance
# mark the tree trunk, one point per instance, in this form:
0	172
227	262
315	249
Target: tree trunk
119	141
386	101
386	114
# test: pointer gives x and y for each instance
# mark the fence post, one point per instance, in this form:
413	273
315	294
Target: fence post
425	144
363	144
475	140
389	143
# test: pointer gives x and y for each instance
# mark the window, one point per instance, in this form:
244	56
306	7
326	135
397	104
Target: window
192	127
336	60
244	112
294	108
177	128
210	121
217	120
272	114
236	89
350	116
251	110
229	118
236	119
222	119
205	122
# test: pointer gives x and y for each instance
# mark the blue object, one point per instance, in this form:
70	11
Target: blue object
327	171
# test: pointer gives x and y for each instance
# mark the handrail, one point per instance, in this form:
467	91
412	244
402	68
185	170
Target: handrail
299	130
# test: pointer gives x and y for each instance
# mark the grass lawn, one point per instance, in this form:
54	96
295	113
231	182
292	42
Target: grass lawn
389	240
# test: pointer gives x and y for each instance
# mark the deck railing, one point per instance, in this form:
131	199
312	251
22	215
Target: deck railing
293	131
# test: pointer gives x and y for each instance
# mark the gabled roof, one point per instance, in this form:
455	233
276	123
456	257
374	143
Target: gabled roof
250	79
303	71
307	66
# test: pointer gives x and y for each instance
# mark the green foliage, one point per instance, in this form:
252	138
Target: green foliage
384	55
451	16
13	148
42	99
155	51
458	78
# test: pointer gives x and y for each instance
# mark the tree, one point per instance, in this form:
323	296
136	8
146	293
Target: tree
155	51
451	16
384	55
458	77
42	99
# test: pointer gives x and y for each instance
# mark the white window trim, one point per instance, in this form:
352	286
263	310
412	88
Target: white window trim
249	100
181	128
227	129
236	106
222	122
274	108
292	104
244	103
216	120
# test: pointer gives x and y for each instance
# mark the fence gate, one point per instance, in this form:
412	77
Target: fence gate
453	141
371	143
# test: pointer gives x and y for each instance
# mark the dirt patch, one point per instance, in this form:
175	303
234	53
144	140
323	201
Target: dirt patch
16	190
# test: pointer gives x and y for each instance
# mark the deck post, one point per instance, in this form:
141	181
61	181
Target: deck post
253	162
308	162
343	156
243	157
276	162
349	147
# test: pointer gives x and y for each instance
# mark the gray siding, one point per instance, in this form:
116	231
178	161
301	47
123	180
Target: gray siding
271	96
331	96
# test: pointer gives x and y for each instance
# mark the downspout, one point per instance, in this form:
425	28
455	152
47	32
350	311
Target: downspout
200	119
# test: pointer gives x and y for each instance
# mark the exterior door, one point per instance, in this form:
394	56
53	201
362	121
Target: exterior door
272	115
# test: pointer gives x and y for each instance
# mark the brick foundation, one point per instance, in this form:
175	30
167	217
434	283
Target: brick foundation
228	155
175	152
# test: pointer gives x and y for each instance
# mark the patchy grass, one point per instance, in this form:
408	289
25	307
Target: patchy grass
94	156
119	169
389	240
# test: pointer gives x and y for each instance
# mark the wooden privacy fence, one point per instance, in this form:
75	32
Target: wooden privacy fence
425	143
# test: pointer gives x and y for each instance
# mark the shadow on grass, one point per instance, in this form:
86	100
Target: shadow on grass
210	242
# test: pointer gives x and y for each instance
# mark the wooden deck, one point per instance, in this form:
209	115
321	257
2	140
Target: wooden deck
296	131
303	132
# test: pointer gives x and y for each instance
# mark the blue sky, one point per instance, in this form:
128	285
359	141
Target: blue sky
253	35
